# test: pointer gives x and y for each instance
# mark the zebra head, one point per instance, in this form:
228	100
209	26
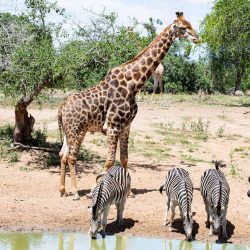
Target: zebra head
95	223
216	222
188	226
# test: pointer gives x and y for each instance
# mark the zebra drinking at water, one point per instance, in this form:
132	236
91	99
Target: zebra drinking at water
113	188
179	192
215	192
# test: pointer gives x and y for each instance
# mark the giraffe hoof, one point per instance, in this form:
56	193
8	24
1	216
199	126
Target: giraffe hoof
76	197
170	229
63	193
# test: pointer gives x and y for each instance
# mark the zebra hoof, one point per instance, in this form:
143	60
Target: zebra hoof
225	236
89	195
76	196
165	223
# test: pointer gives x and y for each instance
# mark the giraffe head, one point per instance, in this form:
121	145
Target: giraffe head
184	29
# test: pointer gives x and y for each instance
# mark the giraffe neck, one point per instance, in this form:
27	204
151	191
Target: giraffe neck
140	68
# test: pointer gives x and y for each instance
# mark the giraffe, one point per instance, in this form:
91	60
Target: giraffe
110	106
158	81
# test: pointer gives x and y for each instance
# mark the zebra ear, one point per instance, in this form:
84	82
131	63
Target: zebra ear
193	214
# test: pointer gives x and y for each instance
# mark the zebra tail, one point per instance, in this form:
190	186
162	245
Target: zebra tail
95	206
162	187
219	164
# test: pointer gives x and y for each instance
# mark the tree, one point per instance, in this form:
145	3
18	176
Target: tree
101	44
226	31
28	62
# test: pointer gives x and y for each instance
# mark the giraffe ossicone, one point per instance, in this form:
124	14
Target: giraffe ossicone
110	106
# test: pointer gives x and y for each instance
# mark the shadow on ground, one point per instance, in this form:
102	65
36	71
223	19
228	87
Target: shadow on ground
137	191
113	228
230	232
178	227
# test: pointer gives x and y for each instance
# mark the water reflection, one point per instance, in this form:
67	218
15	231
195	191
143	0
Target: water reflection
80	241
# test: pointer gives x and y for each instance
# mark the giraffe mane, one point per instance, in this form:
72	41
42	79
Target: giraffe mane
146	48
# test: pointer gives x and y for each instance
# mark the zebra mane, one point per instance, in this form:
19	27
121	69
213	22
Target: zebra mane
219	201
94	207
187	201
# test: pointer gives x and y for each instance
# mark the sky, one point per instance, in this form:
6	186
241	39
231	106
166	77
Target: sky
194	10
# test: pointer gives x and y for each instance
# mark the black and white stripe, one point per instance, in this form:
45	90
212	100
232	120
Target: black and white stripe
179	192
112	189
215	192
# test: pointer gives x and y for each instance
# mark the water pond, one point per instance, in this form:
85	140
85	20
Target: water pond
81	241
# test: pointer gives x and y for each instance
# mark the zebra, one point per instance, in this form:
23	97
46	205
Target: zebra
114	187
179	192
215	191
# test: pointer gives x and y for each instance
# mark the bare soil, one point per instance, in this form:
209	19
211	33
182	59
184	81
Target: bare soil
29	194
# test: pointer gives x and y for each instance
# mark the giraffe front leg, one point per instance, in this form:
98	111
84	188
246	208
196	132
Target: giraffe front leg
123	138
112	145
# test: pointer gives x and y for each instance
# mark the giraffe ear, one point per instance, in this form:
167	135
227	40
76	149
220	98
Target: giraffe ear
179	15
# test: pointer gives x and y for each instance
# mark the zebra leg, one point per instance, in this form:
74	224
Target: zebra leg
166	211
104	220
120	208
224	223
172	206
210	211
207	210
181	215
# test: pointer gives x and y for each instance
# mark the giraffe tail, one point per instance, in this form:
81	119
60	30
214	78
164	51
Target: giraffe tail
59	117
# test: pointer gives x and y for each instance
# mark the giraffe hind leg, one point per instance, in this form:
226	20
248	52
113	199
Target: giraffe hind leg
64	162
74	147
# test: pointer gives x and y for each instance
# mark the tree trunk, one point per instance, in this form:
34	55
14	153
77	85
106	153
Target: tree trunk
23	123
238	79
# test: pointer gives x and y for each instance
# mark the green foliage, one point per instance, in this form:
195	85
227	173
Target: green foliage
226	31
39	137
31	64
183	74
29	57
6	134
101	45
85	155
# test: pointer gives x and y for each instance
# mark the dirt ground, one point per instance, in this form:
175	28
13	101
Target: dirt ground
30	199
